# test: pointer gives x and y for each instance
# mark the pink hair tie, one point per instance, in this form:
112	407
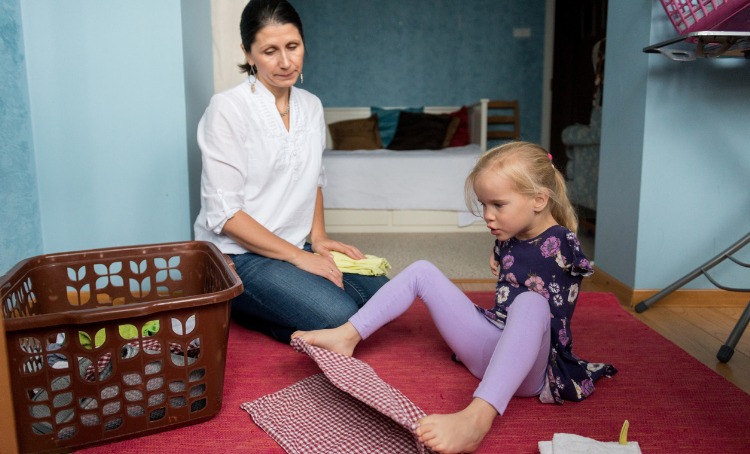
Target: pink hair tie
549	155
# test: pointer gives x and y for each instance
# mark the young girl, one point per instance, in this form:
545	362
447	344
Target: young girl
522	346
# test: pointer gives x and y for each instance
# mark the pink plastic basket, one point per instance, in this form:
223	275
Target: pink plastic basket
689	16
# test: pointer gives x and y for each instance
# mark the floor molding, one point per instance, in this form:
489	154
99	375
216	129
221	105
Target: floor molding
600	281
475	281
682	297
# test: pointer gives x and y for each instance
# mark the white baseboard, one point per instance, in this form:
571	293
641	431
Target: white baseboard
396	221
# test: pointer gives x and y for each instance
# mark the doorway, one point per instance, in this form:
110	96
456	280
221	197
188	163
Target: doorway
579	25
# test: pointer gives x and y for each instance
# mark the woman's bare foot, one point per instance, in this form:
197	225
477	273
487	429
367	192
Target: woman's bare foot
340	340
457	432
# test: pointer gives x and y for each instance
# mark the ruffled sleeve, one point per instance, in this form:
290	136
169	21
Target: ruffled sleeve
579	264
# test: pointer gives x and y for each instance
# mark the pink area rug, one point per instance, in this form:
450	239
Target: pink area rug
673	402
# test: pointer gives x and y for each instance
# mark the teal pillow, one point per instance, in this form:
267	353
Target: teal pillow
388	121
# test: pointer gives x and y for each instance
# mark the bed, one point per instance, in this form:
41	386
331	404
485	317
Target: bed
384	190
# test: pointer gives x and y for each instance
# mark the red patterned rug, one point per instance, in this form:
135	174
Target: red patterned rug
673	402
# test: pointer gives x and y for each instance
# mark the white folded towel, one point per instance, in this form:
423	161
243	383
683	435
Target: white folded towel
576	444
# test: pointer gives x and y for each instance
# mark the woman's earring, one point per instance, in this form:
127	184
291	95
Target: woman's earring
301	78
253	73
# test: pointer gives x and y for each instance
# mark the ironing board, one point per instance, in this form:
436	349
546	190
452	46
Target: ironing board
708	44
727	350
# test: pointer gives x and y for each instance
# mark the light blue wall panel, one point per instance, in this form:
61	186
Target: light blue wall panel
673	187
20	228
695	191
199	87
425	52
107	98
624	103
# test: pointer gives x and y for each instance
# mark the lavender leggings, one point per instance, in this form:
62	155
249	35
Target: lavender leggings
510	361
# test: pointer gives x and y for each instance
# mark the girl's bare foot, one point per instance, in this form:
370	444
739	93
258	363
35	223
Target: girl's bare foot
340	340
457	432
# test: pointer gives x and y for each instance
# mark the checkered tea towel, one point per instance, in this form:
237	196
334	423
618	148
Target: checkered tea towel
346	409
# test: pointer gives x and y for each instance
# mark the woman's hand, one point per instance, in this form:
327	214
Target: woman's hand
323	248
326	245
321	265
494	264
257	239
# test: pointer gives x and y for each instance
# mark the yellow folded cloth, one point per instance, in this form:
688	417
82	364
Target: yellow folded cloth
368	266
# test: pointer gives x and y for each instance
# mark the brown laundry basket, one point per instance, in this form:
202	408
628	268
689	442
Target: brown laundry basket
116	343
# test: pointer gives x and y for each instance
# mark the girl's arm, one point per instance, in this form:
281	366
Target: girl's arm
494	259
494	264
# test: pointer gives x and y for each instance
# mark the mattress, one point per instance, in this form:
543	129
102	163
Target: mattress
398	180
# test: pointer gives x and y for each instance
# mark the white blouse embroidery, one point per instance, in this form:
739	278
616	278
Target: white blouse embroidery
252	163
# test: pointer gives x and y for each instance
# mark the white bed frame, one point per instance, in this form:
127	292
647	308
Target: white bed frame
392	221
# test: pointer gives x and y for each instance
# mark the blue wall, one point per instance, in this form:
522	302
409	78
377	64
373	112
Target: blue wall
673	182
115	89
107	101
425	52
199	83
20	227
109	93
620	158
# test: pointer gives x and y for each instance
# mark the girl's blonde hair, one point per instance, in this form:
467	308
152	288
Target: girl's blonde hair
530	169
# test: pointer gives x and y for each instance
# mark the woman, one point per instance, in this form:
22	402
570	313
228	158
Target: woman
262	143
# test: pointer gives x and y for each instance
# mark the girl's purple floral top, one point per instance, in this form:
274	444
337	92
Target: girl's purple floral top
552	265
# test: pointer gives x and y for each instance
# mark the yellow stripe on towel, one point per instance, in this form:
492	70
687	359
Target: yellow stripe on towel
368	266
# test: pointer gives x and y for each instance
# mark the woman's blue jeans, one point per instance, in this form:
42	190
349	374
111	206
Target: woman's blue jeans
280	298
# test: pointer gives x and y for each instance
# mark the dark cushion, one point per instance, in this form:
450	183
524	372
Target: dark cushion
420	131
388	121
360	134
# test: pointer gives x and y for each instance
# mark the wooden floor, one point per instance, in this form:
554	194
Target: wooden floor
700	331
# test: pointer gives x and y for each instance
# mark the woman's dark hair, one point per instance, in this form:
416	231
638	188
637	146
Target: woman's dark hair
259	13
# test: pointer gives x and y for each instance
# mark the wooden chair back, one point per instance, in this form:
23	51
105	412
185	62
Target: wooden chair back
502	120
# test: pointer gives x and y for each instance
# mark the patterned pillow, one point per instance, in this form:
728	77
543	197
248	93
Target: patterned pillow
359	134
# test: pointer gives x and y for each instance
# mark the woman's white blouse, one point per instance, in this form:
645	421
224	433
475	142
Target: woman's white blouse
252	163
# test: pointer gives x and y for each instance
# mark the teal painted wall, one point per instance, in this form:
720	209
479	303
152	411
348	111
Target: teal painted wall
116	90
108	108
199	83
113	123
675	160
20	225
425	52
107	127
620	158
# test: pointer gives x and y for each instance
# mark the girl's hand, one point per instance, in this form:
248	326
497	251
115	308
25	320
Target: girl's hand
494	264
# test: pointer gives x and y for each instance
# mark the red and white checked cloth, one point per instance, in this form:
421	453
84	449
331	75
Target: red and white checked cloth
152	345
346	409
